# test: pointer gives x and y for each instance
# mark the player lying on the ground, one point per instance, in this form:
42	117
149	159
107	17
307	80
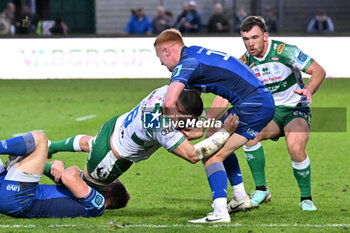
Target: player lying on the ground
22	196
129	138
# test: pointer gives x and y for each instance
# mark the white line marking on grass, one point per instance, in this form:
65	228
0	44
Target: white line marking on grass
35	130
179	225
85	118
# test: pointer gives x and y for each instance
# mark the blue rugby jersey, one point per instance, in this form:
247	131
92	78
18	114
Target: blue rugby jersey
218	73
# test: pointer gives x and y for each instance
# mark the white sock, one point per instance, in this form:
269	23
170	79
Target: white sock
238	191
220	206
76	141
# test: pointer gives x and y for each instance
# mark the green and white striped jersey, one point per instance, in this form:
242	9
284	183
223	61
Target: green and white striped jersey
279	70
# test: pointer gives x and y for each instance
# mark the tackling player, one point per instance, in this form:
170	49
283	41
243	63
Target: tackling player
127	139
278	66
216	72
22	196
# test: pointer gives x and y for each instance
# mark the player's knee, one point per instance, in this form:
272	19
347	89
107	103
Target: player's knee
296	149
70	174
40	138
84	143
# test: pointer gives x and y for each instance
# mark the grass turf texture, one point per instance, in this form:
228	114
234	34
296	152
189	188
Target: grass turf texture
166	191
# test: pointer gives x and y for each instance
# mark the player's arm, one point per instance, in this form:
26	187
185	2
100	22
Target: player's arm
217	107
318	74
207	147
173	93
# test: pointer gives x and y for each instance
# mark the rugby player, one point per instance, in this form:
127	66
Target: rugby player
225	76
126	139
278	65
21	195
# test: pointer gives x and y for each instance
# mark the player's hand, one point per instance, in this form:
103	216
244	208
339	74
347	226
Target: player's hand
305	92
193	133
231	123
57	168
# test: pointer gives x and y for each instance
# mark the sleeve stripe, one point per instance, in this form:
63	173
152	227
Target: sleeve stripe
177	144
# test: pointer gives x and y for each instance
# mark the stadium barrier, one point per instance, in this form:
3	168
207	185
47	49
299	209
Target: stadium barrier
50	58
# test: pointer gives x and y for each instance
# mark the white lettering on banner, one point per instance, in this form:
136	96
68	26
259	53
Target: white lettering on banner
43	58
77	57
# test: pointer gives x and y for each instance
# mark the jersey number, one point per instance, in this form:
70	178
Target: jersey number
131	116
225	56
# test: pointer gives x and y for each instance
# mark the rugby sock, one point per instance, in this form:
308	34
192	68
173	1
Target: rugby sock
217	179
234	175
256	160
302	173
94	203
18	146
69	144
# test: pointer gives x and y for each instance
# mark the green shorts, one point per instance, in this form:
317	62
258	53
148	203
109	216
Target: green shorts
102	164
284	114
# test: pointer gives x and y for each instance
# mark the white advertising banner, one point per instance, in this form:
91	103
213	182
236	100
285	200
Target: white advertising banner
135	57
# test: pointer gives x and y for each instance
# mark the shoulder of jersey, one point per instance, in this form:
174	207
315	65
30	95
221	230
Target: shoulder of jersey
244	57
279	46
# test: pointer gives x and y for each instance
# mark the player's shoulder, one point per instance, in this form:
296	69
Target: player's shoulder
282	48
245	58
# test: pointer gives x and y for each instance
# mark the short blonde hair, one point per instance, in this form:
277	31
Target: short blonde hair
169	35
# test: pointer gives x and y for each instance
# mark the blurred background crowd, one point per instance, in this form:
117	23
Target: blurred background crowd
150	17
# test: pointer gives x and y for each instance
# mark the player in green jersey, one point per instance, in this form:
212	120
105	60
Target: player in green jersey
278	65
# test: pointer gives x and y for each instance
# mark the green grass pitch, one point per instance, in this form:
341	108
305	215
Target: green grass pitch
166	191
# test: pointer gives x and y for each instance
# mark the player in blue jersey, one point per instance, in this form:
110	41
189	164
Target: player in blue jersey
22	196
233	82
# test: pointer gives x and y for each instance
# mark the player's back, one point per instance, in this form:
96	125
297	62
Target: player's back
134	140
218	73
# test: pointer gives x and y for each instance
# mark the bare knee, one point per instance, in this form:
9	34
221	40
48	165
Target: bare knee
70	174
84	143
40	138
297	152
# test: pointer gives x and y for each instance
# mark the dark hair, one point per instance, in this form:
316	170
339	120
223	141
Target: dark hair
190	102
116	195
252	21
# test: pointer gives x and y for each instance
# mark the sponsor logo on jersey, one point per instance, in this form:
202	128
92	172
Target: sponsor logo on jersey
152	120
256	71
270	79
302	56
243	59
176	71
275	59
265	71
280	48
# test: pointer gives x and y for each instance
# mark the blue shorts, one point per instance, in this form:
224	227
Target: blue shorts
31	200
254	114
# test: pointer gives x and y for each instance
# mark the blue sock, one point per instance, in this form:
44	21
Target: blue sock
94	204
217	179
233	170
18	146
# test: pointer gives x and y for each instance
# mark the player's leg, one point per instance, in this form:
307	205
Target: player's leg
217	179
34	163
76	143
240	200
255	156
18	146
297	135
24	176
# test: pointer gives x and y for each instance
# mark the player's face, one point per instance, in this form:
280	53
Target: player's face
255	41
165	57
